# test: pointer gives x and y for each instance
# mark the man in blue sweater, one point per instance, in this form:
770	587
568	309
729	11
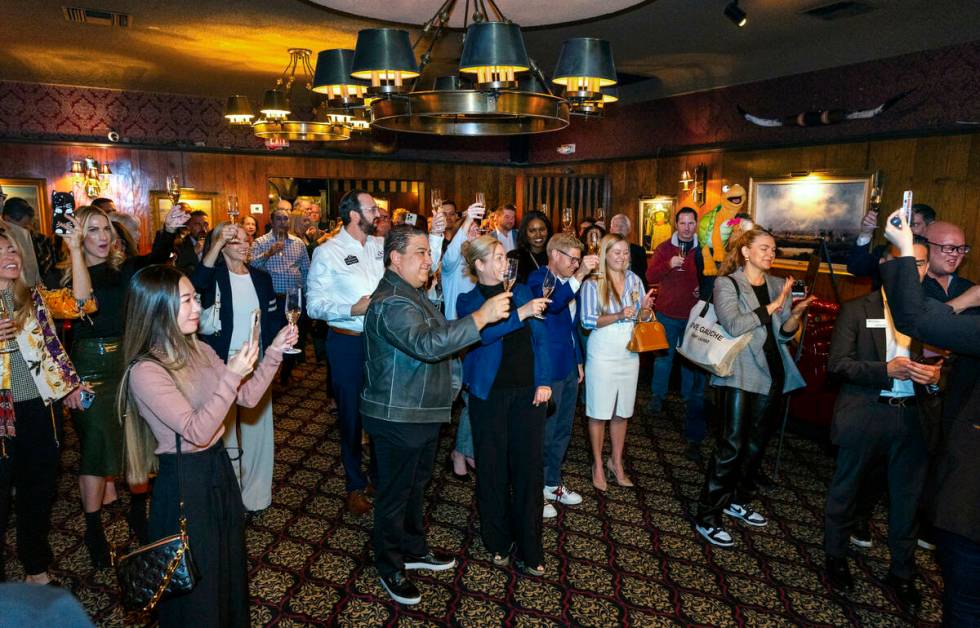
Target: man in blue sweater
570	268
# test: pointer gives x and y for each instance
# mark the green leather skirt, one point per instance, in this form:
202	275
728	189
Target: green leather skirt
99	362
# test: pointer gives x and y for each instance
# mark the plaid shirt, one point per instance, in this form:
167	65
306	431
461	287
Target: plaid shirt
287	268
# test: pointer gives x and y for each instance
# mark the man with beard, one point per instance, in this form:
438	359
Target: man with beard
345	271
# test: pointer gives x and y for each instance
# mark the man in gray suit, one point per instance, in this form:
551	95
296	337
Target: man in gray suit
887	408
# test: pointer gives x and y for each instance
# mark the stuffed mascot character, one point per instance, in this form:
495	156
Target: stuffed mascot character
715	227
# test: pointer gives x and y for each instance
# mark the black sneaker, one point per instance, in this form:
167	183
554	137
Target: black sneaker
430	561
401	589
861	535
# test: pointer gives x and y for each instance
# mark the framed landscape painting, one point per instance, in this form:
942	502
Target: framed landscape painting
801	211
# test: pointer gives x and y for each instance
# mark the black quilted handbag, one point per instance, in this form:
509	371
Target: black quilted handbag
160	570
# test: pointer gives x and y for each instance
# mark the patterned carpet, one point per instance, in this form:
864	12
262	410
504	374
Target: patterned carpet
629	557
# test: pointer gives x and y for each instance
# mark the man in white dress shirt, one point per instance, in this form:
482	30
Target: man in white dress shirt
344	272
505	217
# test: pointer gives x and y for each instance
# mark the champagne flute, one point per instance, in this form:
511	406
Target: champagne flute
547	287
233	208
510	274
481	200
592	241
635	299
173	188
294	310
566	219
600	216
436	200
681	253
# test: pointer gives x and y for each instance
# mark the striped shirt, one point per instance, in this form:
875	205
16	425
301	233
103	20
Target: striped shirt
589	300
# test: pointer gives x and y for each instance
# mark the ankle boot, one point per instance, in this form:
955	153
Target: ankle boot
136	518
95	541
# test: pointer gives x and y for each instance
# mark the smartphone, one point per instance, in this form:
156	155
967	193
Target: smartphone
256	327
929	359
799	289
907	205
63	205
411	219
87	398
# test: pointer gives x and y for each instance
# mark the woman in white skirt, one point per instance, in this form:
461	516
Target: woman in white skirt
609	305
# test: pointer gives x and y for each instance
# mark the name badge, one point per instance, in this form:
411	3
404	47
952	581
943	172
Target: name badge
876	323
351	259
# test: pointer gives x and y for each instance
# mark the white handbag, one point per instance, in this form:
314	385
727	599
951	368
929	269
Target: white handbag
706	343
211	318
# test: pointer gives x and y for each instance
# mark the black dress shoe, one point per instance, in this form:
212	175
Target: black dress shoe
861	535
401	589
433	561
908	596
839	573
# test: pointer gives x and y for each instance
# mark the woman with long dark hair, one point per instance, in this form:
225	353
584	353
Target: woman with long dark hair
532	240
748	299
95	350
177	393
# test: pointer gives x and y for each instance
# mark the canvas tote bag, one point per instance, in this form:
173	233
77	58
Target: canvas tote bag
706	343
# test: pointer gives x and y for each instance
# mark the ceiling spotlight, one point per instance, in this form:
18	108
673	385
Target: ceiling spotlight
735	14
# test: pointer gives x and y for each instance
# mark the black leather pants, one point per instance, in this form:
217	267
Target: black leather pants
749	422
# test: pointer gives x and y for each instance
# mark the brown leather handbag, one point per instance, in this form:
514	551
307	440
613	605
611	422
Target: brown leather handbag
648	335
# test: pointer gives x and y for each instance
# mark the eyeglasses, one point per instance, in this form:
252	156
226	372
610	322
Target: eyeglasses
920	263
576	260
950	249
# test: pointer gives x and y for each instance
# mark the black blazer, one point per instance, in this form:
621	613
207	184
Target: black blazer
957	502
638	263
273	318
858	357
187	260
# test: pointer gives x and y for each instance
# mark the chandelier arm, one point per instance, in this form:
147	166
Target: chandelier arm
536	70
496	10
466	19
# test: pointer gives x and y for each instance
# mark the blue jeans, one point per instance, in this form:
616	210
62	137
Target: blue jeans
959	558
464	433
558	427
692	381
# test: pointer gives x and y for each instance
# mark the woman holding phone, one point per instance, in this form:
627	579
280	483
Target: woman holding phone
231	291
177	393
96	354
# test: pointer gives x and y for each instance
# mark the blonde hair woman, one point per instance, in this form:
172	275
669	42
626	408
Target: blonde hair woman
609	306
96	353
508	377
30	419
748	299
176	395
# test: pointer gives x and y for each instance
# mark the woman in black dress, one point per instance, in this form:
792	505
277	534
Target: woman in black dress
532	242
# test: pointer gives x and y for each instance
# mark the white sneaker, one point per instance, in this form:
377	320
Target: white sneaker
549	511
562	494
747	515
716	536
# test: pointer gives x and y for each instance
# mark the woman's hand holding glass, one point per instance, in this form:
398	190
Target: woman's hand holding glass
534	307
285	339
176	218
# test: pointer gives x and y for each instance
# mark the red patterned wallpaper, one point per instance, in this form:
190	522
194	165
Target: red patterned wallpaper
944	80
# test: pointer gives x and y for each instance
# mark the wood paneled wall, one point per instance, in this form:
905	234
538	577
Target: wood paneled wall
944	171
138	171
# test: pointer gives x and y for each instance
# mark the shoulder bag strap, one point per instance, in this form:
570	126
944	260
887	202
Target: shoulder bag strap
182	520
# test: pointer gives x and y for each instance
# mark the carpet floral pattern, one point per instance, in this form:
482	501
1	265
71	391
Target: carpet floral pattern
627	557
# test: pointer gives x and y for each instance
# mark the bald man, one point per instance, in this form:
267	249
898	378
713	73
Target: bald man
947	250
620	223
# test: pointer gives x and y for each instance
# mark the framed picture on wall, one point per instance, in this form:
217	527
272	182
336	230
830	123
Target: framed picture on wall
800	211
656	220
160	203
35	192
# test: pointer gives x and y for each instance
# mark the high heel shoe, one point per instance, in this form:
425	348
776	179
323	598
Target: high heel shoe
460	477
624	481
599	486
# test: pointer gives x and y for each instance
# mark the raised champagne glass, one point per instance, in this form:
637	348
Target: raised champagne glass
547	287
294	310
510	274
566	219
173	188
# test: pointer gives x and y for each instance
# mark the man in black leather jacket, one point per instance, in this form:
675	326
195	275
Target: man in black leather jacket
412	375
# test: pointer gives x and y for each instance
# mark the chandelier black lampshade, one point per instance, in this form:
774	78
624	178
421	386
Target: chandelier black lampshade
497	45
333	69
531	83
275	104
450	83
238	110
585	58
385	53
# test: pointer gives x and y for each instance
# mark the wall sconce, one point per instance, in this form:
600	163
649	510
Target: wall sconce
91	176
696	182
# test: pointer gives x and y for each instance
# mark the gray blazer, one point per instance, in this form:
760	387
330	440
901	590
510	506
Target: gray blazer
737	314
